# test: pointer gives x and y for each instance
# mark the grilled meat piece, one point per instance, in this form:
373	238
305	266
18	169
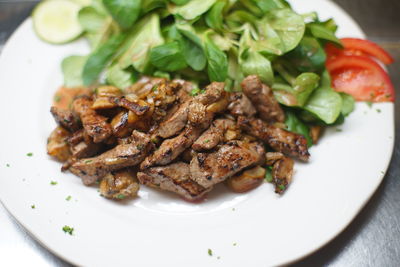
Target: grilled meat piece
85	149
174	178
66	119
263	99
246	180
272	157
212	94
175	123
291	144
240	105
170	149
94	124
282	173
121	156
132	106
119	185
57	145
213	135
208	169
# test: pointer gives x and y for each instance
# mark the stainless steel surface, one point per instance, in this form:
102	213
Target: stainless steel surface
372	239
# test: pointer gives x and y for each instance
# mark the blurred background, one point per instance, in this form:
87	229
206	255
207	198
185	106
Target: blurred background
372	239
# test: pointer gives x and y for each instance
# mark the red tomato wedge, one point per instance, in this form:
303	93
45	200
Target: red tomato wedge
359	47
361	77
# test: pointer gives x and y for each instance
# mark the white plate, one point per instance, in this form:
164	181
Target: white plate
158	229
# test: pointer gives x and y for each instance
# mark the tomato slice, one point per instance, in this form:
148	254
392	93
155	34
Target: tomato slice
359	47
361	77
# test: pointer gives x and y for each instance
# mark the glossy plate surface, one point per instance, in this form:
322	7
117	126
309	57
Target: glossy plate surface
158	229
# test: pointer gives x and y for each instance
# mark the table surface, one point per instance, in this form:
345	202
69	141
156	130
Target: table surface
372	239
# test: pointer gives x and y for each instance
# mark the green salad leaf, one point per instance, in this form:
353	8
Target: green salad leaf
168	57
125	12
72	68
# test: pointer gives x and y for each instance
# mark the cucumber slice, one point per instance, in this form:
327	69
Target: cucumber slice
56	21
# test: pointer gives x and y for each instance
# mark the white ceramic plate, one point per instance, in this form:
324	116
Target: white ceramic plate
158	229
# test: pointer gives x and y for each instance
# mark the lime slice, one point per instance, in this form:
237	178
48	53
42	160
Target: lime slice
56	21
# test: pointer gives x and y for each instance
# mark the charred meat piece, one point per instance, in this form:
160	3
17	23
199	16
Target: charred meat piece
57	145
240	105
85	149
263	99
290	144
132	106
213	135
247	180
170	149
212	94
175	123
94	124
208	169
282	173
272	157
121	156
174	178
66	119
119	185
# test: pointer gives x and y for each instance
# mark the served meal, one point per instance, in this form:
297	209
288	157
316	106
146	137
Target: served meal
184	95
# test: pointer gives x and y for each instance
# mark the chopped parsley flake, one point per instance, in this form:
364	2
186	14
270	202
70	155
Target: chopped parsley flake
369	103
268	175
206	141
282	187
88	161
33	206
30	154
53	182
68	198
121	196
7	165
378	110
234	244
68	229
210	253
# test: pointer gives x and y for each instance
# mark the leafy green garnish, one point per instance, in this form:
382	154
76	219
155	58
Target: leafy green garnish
68	198
209	251
53	183
30	154
125	12
68	229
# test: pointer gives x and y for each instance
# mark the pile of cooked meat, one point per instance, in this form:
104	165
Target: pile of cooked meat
171	136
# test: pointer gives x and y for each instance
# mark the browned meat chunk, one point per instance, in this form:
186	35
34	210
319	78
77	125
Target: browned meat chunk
175	123
208	169
240	105
94	124
57	145
170	149
247	180
280	140
121	156
119	185
212	94
132	106
66	119
85	149
174	178
263	99
315	133
282	173
213	136
272	157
